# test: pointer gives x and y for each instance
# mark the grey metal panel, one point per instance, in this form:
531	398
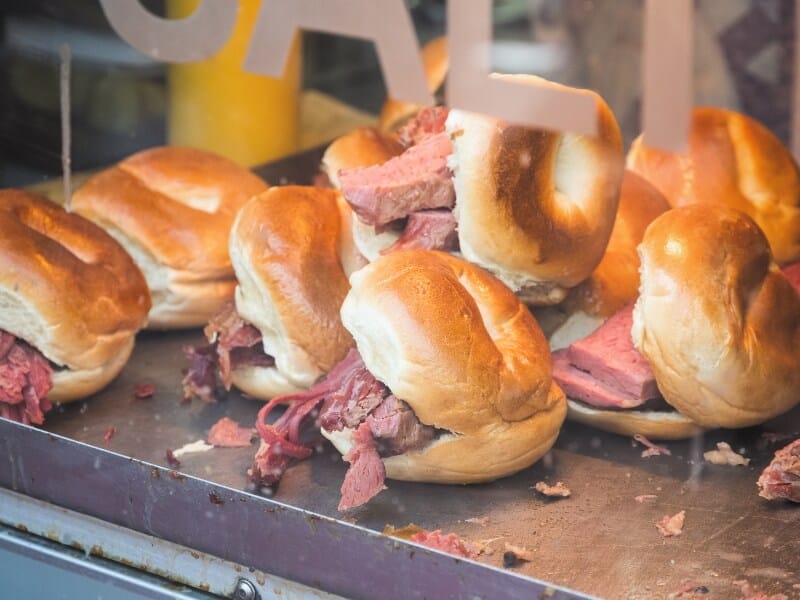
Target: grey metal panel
288	541
34	569
76	536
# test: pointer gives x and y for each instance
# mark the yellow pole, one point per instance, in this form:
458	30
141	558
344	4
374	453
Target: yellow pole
216	106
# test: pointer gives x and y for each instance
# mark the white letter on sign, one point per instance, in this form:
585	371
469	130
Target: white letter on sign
386	22
667	93
197	37
522	101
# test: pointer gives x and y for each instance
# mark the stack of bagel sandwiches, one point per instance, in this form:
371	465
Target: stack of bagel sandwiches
460	288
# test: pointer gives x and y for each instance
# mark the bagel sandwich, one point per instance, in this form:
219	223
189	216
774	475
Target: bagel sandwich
713	340
71	303
449	382
732	160
534	207
172	209
291	250
615	281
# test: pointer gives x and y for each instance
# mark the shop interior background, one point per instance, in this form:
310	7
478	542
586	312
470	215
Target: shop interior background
743	60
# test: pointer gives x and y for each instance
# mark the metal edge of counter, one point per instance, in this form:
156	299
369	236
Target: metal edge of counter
253	531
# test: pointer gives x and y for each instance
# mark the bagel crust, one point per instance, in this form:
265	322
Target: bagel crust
718	321
285	248
657	425
733	161
70	291
535	207
615	281
172	209
456	345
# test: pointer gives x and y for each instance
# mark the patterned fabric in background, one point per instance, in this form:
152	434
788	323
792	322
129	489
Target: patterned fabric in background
759	48
743	56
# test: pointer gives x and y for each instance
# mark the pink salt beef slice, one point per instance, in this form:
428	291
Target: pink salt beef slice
605	369
792	273
418	179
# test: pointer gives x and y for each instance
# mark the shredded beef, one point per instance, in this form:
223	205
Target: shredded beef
234	343
356	394
25	381
366	474
781	479
651	449
232	333
284	438
446	542
347	396
428	230
396	428
670	526
228	433
143	390
200	379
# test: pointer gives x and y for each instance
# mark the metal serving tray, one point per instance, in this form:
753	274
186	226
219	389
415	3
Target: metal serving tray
598	542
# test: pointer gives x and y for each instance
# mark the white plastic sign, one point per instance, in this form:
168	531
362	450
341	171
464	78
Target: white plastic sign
667	57
385	22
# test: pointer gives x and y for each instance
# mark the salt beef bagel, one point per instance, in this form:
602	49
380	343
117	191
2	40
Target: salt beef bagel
734	161
292	251
172	209
717	320
615	281
712	341
533	207
468	358
68	290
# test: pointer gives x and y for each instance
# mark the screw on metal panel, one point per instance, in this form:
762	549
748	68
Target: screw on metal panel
245	590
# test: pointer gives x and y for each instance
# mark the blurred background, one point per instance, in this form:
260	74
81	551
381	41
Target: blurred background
743	60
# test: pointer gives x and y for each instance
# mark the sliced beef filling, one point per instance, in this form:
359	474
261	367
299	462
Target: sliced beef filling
25	381
780	480
234	343
792	273
427	230
396	428
605	370
366	474
349	397
417	180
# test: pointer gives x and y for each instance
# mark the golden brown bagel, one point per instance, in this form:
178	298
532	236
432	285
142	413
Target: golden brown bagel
435	62
653	424
734	161
289	255
70	291
717	320
456	345
172	209
535	207
615	281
